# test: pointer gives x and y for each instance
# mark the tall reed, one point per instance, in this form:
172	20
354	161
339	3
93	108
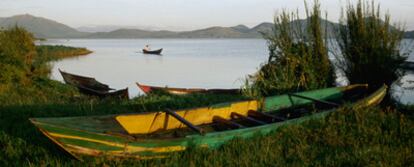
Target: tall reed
298	56
369	45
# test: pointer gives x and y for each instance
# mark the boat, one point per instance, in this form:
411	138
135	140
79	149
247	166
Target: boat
157	52
156	134
91	86
408	65
183	91
122	93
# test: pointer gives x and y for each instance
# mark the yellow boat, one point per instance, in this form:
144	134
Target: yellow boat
155	134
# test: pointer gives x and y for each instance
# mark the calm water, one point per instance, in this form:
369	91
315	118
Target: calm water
204	63
201	63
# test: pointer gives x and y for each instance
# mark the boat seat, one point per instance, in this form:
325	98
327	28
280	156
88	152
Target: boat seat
265	116
228	123
235	115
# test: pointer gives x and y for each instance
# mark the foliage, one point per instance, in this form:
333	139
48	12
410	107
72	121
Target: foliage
369	46
56	52
17	52
298	57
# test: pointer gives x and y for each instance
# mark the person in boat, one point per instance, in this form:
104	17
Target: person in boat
147	48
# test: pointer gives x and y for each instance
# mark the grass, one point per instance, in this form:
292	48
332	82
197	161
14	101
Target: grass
56	52
298	56
345	138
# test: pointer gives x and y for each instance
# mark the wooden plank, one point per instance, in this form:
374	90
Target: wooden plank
237	115
265	116
230	123
185	122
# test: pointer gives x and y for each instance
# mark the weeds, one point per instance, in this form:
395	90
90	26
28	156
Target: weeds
298	57
369	46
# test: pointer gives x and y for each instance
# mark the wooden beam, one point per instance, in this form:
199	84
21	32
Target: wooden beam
237	115
185	122
265	116
230	123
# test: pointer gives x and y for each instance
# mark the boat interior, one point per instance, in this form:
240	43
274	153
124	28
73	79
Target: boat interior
170	124
240	120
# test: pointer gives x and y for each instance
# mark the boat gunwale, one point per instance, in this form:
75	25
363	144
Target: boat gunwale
183	90
200	140
190	108
33	120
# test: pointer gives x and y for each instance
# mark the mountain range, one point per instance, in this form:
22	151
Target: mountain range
46	28
409	34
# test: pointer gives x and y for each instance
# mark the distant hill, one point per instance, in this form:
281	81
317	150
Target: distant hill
409	34
109	28
241	28
41	27
45	28
263	27
133	33
214	32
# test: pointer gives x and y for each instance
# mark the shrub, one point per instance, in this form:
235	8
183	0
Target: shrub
298	57
17	50
369	46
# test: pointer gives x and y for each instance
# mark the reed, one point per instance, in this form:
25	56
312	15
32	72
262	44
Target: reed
369	45
298	56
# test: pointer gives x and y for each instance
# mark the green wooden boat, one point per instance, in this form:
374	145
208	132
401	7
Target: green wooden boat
155	134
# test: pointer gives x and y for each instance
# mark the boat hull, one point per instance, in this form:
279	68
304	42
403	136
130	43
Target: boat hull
105	135
90	86
156	52
184	91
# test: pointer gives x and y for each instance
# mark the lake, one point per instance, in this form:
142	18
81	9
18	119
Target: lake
204	63
188	63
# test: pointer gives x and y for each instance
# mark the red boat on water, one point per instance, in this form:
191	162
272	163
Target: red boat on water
183	91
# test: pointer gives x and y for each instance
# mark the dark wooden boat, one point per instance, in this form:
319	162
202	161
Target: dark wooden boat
157	52
155	134
122	93
91	86
408	65
88	82
182	91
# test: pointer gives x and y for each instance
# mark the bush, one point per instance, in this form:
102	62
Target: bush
369	46
17	51
298	57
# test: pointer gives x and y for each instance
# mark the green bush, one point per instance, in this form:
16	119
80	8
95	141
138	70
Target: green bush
369	46
298	57
17	51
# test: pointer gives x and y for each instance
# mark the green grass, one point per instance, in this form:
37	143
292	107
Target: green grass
56	52
346	138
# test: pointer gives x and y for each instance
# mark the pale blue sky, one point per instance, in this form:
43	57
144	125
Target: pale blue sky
181	14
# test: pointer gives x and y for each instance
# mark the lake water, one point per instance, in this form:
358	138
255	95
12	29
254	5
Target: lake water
189	63
204	63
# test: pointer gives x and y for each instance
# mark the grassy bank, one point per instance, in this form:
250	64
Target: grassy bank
347	137
56	52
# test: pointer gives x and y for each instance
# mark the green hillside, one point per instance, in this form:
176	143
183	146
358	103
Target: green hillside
45	28
41	27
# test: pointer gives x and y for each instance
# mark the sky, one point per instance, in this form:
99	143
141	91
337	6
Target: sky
183	14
